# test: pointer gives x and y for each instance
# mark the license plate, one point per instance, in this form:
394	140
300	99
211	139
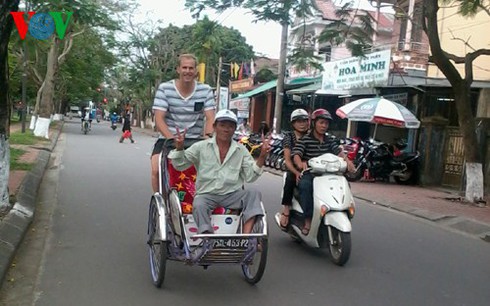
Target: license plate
233	243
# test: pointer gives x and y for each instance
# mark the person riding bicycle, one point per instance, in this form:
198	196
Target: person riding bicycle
181	103
86	116
299	123
312	145
223	166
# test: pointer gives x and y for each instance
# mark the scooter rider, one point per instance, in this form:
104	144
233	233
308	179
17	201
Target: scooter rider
312	145
299	122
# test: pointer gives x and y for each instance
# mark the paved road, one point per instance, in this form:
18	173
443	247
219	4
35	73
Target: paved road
88	247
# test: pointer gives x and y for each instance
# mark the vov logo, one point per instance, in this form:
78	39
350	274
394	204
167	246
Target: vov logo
41	25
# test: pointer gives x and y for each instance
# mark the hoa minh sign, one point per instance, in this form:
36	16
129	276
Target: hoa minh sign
41	25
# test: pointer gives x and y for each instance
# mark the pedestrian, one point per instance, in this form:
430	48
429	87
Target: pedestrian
181	103
126	129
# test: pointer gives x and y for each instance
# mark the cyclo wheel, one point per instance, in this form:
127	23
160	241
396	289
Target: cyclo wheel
157	247
254	270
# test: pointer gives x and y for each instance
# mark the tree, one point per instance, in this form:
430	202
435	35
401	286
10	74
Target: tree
6	25
86	14
283	12
461	85
152	57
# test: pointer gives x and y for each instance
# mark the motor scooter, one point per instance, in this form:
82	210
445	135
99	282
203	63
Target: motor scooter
333	209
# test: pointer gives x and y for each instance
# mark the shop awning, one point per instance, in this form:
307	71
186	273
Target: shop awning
304	80
258	90
305	89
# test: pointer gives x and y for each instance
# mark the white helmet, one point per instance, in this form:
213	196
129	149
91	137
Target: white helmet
298	114
226	115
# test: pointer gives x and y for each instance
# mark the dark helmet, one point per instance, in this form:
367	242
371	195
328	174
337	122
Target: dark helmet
321	113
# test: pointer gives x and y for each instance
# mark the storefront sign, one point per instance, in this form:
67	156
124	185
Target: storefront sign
240	104
357	72
242	114
223	98
241	85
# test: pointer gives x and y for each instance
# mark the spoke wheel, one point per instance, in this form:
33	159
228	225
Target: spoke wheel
254	270
339	247
157	247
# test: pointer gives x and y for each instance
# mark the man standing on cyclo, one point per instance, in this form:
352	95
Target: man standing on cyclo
181	104
223	166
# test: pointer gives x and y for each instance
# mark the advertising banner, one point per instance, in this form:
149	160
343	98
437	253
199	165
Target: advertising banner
357	72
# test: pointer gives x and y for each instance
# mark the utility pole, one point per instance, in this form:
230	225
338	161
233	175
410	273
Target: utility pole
280	79
218	80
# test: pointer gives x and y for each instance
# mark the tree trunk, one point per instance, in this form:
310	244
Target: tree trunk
6	24
462	93
47	93
474	170
46	103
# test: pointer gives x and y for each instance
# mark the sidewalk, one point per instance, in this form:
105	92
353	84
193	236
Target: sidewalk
23	186
442	206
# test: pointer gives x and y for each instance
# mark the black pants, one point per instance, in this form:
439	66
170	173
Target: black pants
288	189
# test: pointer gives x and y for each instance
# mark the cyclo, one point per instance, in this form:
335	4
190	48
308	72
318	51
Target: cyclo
172	232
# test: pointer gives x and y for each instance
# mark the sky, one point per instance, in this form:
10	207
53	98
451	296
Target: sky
263	36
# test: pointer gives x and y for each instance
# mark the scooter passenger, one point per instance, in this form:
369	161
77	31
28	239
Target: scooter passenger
223	166
299	122
312	145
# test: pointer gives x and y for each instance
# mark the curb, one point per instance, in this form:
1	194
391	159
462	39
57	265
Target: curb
461	224
14	225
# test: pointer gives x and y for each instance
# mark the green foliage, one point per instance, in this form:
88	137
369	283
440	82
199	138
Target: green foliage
264	75
303	57
352	28
85	68
469	7
266	10
153	55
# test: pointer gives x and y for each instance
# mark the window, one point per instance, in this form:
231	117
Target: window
327	52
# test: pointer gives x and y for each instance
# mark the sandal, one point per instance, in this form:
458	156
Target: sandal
284	225
306	229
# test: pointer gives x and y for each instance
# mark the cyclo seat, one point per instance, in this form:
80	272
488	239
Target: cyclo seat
184	183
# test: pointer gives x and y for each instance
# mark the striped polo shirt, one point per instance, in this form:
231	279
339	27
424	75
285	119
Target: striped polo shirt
184	112
309	147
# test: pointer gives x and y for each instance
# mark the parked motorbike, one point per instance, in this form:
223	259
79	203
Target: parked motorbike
333	209
379	161
276	151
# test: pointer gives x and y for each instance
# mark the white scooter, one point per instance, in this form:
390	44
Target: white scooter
333	208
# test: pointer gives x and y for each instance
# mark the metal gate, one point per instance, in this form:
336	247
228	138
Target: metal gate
454	159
